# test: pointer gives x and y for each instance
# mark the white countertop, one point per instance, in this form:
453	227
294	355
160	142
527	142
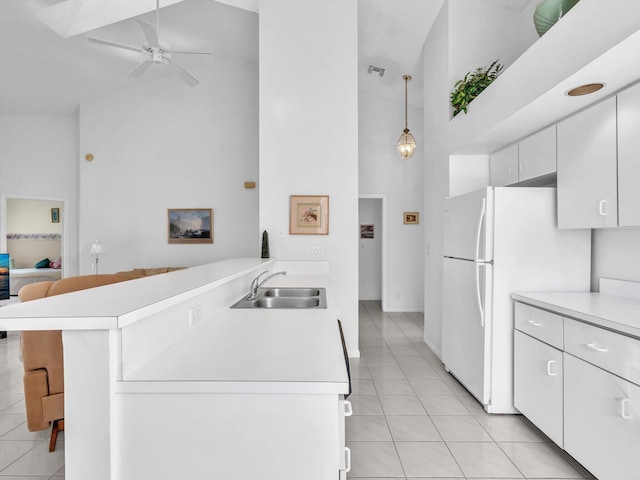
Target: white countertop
118	304
620	314
253	350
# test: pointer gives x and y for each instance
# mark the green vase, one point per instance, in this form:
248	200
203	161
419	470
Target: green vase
549	12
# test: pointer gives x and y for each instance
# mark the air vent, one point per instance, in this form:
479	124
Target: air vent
373	69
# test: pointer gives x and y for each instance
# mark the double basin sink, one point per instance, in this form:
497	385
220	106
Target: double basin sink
285	297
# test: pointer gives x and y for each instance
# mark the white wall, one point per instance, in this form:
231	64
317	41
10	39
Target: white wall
615	253
38	160
467	173
370	253
382	171
436	171
162	144
308	134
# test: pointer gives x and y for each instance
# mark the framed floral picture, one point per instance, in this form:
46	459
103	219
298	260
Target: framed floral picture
309	215
190	225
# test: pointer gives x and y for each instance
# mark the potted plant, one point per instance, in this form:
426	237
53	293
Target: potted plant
472	85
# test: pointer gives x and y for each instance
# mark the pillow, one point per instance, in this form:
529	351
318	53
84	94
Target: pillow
57	264
43	263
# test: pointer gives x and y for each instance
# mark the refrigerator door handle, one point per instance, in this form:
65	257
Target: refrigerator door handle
479	232
479	294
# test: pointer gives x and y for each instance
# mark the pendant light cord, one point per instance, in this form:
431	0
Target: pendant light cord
406	105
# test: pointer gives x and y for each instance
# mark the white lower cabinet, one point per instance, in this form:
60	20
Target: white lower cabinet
602	421
538	377
586	398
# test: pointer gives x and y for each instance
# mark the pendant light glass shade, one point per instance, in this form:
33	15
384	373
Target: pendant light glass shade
406	143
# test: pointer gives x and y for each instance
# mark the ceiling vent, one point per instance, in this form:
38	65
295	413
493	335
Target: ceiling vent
373	69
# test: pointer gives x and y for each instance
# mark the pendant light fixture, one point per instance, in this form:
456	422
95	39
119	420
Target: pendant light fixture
406	144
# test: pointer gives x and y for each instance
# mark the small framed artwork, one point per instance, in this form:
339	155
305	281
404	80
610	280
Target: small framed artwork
55	215
309	215
411	218
366	231
190	225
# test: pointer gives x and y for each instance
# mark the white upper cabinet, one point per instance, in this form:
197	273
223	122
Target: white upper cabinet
504	166
537	154
629	157
587	168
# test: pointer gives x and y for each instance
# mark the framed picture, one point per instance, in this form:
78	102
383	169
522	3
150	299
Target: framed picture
309	215
411	218
366	231
190	225
55	215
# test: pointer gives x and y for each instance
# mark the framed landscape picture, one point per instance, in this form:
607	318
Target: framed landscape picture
190	225
411	218
366	231
309	215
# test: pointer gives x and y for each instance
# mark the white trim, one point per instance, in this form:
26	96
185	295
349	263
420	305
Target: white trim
383	197
63	219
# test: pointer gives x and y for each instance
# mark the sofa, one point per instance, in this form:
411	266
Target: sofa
42	353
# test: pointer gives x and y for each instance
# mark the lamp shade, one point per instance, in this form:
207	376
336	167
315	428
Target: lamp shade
96	249
406	144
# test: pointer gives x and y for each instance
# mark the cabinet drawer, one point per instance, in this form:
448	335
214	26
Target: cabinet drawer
540	324
611	351
602	421
538	384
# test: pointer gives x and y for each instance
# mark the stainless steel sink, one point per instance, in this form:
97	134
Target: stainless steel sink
287	302
292	292
285	298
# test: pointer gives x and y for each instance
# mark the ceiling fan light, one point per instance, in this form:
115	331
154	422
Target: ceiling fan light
406	144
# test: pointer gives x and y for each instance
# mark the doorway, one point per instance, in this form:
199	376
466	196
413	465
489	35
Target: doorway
372	265
32	230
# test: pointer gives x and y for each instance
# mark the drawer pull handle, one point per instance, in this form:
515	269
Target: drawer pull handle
347	451
348	409
534	323
597	348
550	372
623	408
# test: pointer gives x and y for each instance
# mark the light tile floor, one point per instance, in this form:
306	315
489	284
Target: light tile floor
412	420
23	455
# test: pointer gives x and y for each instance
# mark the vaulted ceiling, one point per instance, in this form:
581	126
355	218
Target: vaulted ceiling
49	66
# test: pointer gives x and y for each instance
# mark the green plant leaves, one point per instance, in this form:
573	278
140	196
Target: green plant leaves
472	85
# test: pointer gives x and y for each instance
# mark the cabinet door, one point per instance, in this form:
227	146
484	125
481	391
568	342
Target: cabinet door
629	157
504	166
537	154
538	384
587	171
602	420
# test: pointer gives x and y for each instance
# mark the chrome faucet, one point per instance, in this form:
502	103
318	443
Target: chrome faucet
256	283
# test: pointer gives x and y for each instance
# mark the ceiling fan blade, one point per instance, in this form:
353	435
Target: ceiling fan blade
190	53
151	34
141	68
186	76
114	44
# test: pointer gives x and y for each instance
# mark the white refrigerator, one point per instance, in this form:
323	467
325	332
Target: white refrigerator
500	240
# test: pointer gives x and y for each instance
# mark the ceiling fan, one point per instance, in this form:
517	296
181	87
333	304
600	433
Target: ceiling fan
157	51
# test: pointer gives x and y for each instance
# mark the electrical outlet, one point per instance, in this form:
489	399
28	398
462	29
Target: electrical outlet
281	232
317	252
195	315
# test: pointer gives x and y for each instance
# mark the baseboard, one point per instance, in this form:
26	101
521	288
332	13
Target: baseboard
353	353
404	309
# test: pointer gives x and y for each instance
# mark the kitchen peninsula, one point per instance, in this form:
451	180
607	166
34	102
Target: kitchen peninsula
163	380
